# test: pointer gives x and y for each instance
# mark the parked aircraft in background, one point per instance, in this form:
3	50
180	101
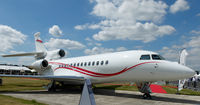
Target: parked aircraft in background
141	67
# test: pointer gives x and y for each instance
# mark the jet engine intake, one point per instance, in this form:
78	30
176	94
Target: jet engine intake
40	64
61	53
55	54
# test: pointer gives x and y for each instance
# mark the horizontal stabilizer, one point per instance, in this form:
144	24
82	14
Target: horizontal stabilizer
25	54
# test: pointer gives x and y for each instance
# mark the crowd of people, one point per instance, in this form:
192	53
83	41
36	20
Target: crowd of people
194	81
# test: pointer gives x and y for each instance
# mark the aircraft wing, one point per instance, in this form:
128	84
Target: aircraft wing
72	79
24	54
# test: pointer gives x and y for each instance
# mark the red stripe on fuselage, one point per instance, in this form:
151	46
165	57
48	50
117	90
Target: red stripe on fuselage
95	74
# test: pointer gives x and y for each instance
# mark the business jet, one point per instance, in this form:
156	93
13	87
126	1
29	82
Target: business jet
141	67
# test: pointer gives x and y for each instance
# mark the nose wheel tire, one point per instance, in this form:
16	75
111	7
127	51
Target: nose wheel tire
147	96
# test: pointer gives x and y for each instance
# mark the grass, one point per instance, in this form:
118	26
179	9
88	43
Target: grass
134	88
21	84
182	92
116	87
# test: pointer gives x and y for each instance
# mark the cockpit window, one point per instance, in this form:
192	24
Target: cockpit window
157	57
145	57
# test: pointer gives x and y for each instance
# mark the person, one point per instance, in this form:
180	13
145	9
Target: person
190	82
196	79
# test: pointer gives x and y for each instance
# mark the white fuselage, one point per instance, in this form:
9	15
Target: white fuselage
119	67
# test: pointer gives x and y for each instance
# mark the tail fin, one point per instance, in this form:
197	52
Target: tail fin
39	46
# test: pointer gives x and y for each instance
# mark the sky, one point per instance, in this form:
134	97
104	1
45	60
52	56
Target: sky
87	27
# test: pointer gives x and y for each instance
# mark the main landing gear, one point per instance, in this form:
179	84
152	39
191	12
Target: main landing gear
52	86
87	96
144	87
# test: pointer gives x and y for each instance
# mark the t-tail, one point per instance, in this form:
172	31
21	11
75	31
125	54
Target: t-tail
41	51
48	55
39	46
41	55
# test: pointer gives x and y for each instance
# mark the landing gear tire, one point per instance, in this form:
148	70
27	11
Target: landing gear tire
52	86
147	96
51	89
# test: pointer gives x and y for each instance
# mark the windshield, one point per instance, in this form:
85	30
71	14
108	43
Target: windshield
157	57
145	57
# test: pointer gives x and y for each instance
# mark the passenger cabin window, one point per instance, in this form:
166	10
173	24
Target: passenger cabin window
81	63
85	64
106	62
93	63
101	62
97	63
77	64
145	57
89	63
157	57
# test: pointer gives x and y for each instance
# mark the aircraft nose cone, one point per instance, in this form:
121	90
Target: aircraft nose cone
176	71
189	72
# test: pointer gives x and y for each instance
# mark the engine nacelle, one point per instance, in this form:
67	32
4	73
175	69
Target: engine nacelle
40	65
55	54
61	53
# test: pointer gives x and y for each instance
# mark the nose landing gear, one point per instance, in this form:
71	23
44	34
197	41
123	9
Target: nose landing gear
144	87
51	86
147	96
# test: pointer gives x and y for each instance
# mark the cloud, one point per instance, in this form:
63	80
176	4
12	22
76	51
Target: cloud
81	27
91	42
10	38
195	32
25	60
98	50
194	42
198	14
179	5
129	20
53	44
55	31
193	48
138	47
16	52
121	49
101	50
142	10
171	54
145	32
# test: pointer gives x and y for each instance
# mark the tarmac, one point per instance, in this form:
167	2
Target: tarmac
105	97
